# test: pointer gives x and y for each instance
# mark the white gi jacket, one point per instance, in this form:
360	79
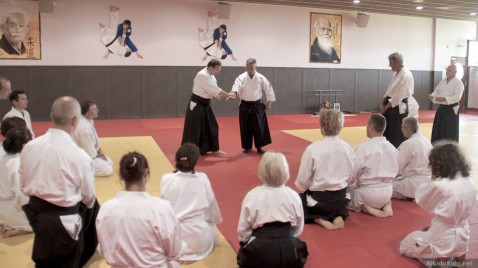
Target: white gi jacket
452	202
413	168
196	208
252	89
25	115
11	197
265	204
326	165
401	86
137	230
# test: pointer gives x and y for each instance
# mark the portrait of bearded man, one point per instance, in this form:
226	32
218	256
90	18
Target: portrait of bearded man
322	48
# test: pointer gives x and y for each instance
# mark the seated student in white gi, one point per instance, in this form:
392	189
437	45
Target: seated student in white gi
7	124
412	158
14	221
450	195
87	138
135	229
19	101
193	202
325	168
271	219
375	168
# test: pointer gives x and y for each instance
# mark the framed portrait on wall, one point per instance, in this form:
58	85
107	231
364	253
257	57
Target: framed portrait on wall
20	30
325	38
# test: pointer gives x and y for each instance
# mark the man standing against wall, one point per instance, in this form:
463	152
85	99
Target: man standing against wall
200	125
250	86
58	177
394	105
19	101
448	94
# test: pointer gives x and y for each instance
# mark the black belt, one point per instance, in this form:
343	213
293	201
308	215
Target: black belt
273	230
200	100
110	43
41	205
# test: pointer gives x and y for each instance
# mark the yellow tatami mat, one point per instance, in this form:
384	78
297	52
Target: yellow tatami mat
16	251
356	135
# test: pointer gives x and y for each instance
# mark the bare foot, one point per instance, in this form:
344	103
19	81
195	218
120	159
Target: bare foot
219	153
326	224
139	55
102	25
114	9
204	57
106	55
212	13
200	29
233	57
388	209
14	232
374	212
339	223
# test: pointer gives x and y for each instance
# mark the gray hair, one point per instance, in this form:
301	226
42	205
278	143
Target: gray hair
331	121
273	169
396	57
3	80
14	12
250	61
63	110
411	123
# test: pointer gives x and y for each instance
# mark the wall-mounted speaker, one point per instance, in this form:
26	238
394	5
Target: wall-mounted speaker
45	6
223	10
362	20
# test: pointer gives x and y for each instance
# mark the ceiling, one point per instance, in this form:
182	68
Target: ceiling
444	9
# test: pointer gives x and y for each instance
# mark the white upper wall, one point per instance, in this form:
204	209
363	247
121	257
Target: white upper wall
165	31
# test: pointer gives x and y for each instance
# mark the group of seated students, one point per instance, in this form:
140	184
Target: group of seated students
135	229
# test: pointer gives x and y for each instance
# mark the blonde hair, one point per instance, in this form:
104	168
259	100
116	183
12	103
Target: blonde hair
273	169
331	122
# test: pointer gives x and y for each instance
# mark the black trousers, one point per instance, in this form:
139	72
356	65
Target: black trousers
52	245
330	205
393	131
446	124
253	124
273	247
200	125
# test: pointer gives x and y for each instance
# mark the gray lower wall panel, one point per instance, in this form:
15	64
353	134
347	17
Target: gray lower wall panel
123	92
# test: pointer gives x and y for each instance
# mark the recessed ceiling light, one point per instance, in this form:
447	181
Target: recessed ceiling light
419	7
356	1
473	13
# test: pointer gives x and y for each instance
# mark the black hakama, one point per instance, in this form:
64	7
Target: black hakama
393	131
330	205
200	125
274	246
52	245
446	124
253	124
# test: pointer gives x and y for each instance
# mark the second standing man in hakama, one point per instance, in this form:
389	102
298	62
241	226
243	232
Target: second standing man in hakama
252	111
